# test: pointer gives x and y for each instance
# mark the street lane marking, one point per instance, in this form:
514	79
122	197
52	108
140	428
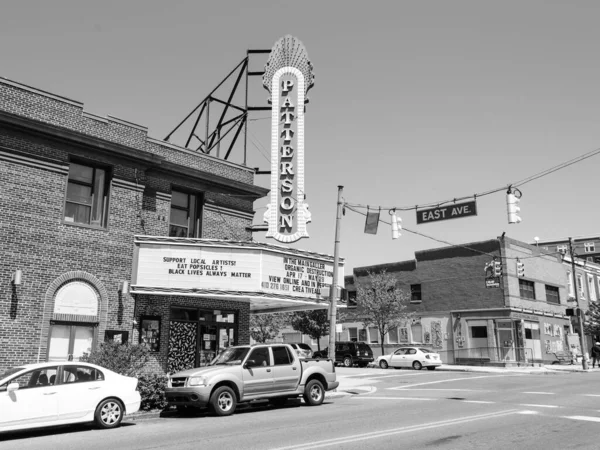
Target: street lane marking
528	412
540	393
446	381
451	389
394	431
391	376
478	401
539	406
586	418
591	395
392	398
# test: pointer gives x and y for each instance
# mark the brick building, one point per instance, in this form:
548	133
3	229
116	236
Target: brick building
522	321
584	247
78	193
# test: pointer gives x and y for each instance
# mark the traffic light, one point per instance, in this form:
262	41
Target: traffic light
396	224
497	269
512	202
520	269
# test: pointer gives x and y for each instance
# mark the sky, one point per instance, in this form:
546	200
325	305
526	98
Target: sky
414	103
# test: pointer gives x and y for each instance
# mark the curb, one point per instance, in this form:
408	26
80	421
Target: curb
146	415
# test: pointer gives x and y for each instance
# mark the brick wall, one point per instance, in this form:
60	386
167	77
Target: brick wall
35	239
161	306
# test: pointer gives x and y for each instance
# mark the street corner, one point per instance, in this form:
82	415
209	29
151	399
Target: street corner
354	390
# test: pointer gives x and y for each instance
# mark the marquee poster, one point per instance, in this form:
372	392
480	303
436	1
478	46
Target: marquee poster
288	77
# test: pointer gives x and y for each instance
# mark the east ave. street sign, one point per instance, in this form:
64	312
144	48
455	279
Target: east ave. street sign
453	211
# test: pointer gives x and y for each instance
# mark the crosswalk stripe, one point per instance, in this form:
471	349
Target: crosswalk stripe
586	418
539	406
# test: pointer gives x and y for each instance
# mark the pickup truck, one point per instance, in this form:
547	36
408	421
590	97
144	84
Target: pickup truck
251	372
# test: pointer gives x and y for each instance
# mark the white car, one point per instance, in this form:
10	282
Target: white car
58	393
415	357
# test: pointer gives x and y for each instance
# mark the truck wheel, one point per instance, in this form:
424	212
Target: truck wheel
314	394
223	401
348	361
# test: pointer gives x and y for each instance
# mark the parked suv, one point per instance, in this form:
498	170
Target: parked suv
349	353
302	350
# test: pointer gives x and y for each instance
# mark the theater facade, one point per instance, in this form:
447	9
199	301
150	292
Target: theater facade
107	233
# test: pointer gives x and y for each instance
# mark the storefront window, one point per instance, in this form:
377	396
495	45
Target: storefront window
150	332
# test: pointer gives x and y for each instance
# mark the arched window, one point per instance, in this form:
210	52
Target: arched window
74	321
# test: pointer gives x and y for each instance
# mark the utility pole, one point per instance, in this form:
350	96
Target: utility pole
333	290
579	312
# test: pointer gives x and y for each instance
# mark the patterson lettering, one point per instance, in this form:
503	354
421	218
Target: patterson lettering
288	77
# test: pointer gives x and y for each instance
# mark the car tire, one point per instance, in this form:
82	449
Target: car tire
348	361
431	368
314	393
223	401
109	413
383	364
417	365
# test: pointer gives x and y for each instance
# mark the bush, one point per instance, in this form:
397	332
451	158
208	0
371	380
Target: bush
125	359
130	360
152	389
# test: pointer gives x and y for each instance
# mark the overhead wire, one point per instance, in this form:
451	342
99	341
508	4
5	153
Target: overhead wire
488	192
456	245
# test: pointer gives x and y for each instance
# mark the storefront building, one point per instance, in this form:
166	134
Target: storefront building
78	194
470	317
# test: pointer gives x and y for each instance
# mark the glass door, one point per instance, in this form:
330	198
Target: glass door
226	337
207	344
506	341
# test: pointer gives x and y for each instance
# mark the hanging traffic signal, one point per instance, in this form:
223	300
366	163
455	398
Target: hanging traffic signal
497	269
513	197
520	269
396	224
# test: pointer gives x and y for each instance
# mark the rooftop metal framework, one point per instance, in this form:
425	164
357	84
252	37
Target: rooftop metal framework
218	138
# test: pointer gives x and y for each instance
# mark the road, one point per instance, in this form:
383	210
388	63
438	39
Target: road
402	409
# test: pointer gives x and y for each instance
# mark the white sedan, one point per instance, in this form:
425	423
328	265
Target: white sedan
415	357
58	393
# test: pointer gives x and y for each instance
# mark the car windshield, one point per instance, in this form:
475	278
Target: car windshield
9	372
304	346
231	356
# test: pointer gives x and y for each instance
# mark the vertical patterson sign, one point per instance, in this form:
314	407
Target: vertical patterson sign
288	77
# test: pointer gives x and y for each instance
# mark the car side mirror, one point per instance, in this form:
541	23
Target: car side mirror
12	387
250	363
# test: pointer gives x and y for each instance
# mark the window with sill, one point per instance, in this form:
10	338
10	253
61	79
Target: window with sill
87	195
561	249
590	247
526	289
415	293
352	299
580	286
552	295
186	215
591	287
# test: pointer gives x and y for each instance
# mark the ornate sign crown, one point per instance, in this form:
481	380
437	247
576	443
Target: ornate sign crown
289	52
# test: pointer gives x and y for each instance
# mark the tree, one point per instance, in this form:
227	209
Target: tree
267	326
380	303
313	323
592	320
